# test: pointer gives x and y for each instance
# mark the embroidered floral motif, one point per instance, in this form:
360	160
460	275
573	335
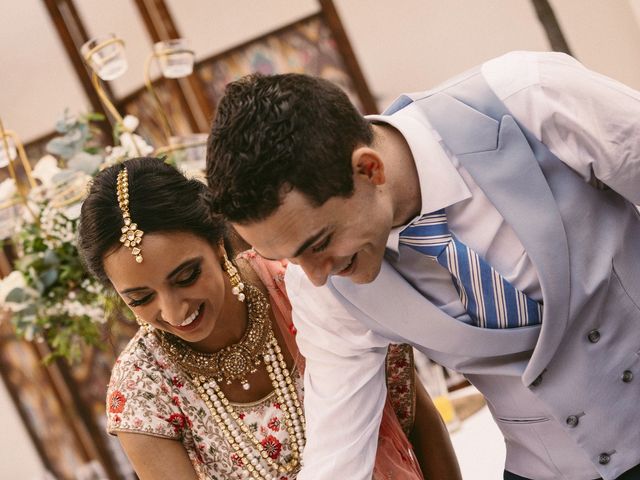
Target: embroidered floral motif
272	446
274	424
116	402
179	422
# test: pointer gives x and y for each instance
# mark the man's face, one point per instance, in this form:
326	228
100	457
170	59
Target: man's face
344	236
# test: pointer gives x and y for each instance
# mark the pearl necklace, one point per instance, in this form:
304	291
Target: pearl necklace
256	460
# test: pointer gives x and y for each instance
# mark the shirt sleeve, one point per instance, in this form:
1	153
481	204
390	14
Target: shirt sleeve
589	121
144	396
344	382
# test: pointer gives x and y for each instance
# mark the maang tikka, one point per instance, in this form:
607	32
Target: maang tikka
131	235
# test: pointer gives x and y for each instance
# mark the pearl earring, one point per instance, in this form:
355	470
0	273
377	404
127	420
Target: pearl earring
237	286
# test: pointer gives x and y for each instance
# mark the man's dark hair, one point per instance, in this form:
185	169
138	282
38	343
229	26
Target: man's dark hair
274	134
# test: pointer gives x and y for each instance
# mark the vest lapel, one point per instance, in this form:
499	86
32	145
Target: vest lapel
504	167
392	303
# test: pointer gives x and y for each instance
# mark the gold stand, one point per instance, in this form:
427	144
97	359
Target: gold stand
22	155
95	81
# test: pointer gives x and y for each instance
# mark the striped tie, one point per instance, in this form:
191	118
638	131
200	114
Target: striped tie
489	299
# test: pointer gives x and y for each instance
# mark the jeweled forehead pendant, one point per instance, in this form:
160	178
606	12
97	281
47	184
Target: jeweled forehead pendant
131	236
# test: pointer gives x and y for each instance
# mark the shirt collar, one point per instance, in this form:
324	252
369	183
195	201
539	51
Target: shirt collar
440	183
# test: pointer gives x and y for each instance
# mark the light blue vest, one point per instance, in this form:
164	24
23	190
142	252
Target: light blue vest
567	395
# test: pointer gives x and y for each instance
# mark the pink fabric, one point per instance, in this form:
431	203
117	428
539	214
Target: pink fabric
395	459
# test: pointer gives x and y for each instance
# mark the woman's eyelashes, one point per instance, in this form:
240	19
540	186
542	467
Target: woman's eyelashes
185	278
142	301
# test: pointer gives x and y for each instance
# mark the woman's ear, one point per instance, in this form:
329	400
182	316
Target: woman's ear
367	162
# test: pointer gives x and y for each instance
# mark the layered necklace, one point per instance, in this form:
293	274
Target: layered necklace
235	362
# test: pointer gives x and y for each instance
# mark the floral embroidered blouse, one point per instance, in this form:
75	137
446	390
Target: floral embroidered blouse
149	394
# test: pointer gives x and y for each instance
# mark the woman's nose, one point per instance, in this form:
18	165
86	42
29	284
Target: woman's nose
173	311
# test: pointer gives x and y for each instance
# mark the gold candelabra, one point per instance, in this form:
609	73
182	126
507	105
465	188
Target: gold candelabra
105	58
22	190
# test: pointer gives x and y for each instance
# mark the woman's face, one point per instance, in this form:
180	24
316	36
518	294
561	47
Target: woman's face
179	287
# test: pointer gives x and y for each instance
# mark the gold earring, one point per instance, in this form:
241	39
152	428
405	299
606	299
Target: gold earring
237	286
144	325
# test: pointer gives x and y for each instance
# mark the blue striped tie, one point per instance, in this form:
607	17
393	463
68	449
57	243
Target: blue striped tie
490	300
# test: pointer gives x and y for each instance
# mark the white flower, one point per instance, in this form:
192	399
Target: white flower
72	212
46	169
7	189
130	122
134	145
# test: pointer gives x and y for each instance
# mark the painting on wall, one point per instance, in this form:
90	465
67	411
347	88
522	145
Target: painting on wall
307	46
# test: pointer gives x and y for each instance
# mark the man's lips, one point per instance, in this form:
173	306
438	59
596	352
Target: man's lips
349	268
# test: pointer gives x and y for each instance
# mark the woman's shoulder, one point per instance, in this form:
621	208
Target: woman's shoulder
143	355
143	388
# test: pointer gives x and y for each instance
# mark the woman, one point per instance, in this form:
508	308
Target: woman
211	385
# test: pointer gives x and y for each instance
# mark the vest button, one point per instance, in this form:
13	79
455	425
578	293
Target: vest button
604	458
594	336
573	420
627	376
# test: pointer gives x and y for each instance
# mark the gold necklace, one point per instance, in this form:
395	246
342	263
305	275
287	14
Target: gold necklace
233	362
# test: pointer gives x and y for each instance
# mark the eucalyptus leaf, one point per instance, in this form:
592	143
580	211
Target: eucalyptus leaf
61	147
85	162
50	258
17	295
63	175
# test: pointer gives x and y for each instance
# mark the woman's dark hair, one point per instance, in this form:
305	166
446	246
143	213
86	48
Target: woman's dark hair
273	134
161	199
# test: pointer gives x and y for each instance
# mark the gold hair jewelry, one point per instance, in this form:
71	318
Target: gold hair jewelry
234	362
237	286
131	235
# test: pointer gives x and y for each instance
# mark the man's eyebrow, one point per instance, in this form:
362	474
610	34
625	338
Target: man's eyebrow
183	265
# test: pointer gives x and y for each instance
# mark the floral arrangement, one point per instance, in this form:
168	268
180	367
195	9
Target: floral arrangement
49	295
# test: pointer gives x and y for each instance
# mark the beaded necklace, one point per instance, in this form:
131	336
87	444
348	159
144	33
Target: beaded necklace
247	447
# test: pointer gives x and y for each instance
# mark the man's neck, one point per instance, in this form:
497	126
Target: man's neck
401	173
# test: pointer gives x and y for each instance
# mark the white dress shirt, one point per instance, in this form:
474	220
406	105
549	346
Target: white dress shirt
590	122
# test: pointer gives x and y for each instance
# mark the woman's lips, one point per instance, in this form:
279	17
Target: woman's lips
193	324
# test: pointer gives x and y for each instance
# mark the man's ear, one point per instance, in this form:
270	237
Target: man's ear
367	162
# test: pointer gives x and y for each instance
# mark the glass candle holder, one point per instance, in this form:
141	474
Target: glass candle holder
174	58
105	55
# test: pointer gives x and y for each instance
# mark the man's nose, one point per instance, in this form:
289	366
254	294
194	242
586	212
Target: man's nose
316	269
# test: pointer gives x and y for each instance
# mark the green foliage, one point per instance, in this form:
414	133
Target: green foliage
51	296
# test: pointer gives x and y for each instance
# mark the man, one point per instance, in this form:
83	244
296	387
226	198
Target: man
489	222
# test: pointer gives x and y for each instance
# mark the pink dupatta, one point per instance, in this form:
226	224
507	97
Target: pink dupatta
395	459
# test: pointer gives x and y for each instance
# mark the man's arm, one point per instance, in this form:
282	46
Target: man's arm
345	387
